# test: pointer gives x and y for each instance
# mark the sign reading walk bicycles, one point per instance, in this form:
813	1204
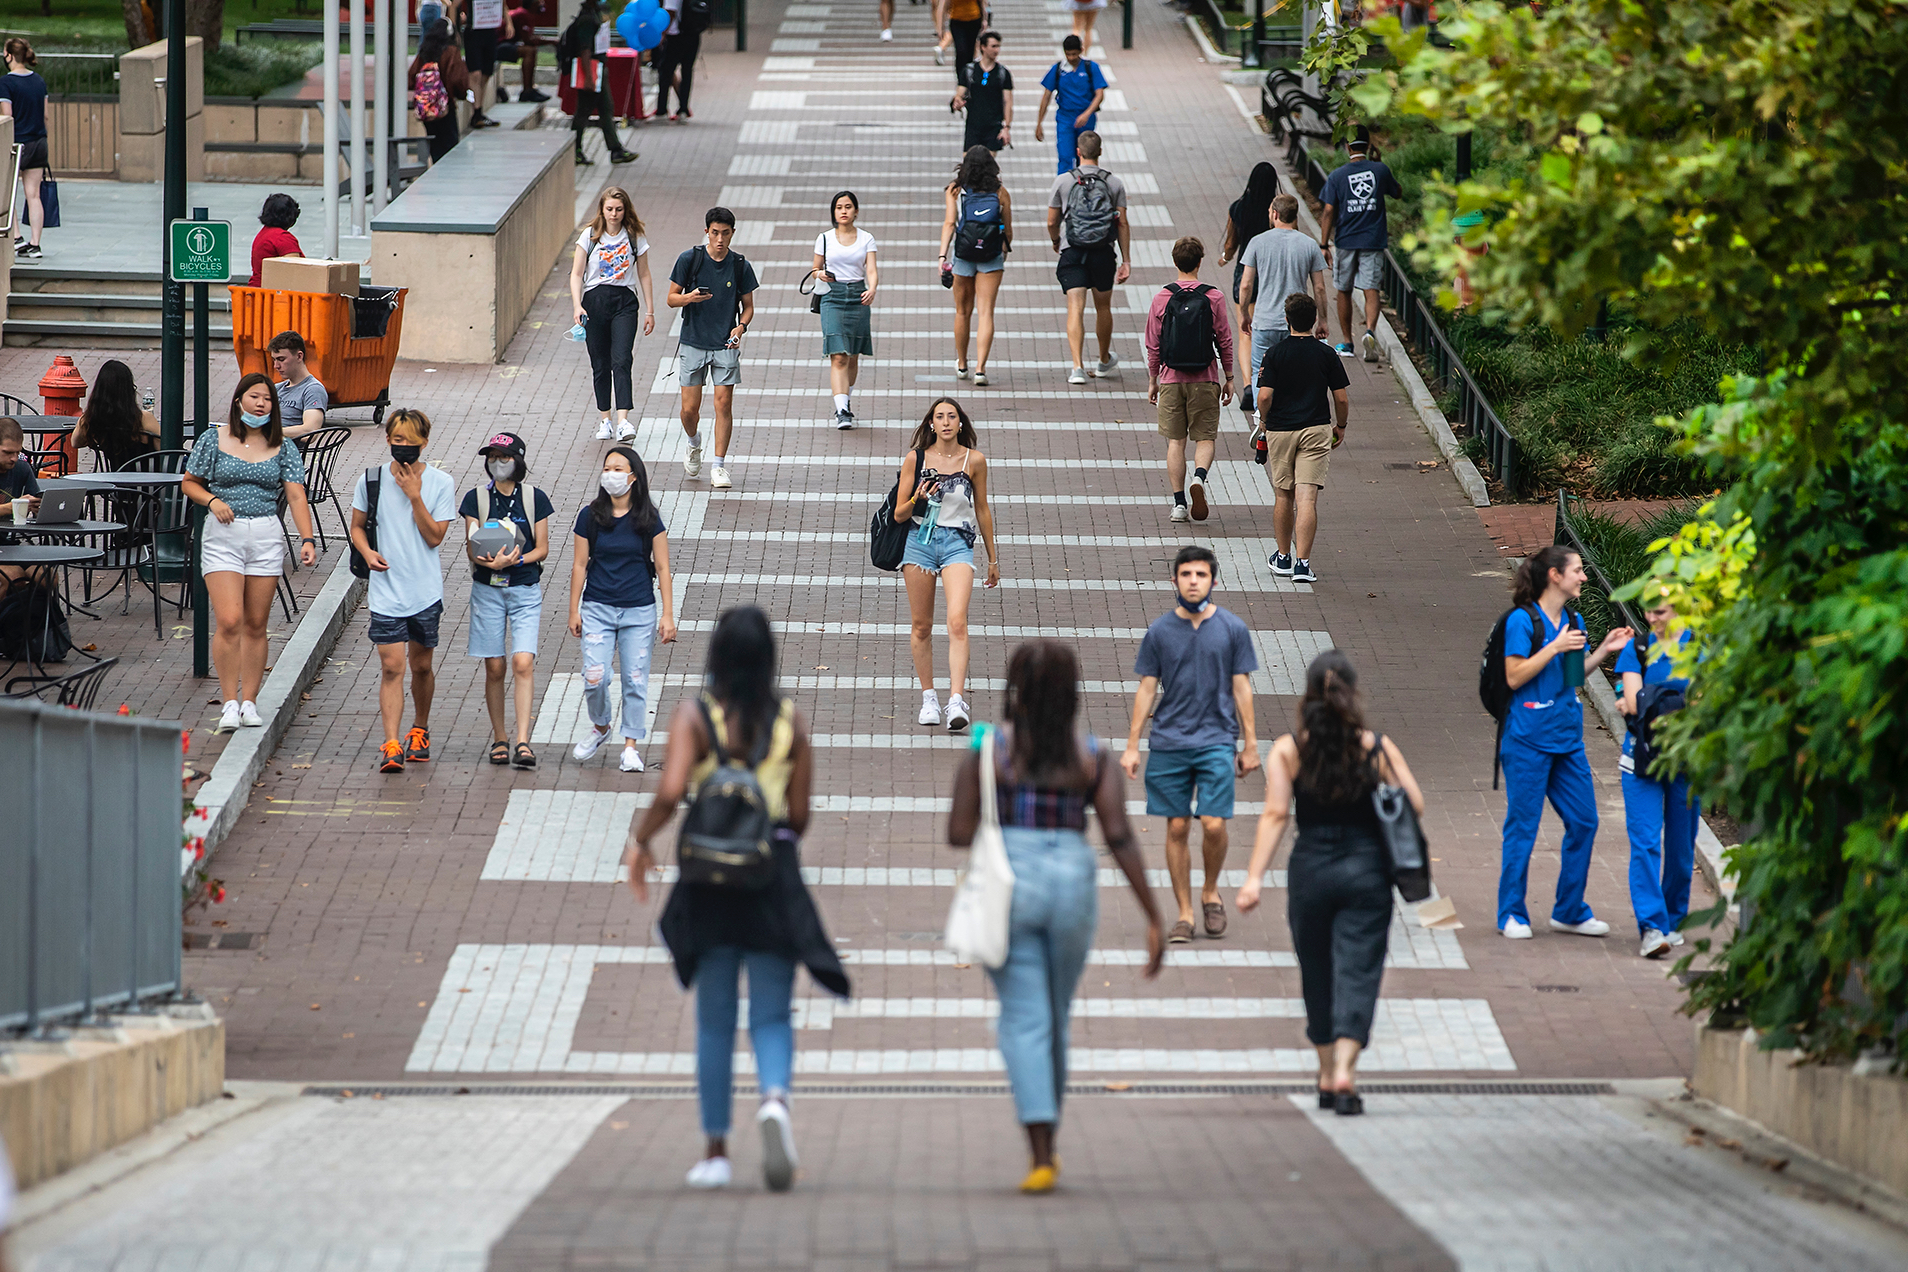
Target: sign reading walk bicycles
201	251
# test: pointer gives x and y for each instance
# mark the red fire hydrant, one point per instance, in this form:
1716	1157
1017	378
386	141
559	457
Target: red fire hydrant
61	390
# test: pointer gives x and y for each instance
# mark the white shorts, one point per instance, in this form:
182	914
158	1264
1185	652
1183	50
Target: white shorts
253	546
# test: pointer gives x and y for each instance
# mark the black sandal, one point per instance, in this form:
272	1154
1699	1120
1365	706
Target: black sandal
1348	1103
1327	1100
500	752
524	758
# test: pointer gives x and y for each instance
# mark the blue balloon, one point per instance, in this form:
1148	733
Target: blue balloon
643	24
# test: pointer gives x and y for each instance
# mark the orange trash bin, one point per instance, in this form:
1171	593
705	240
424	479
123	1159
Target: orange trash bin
355	368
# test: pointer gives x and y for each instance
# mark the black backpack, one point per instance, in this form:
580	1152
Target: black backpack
1653	702
1185	329
978	234
696	16
372	478
33	626
1493	688
888	538
725	835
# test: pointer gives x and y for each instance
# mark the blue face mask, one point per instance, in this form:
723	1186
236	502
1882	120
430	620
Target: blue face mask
254	421
1194	607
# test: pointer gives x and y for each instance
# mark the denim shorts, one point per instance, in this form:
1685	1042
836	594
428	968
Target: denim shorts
943	548
967	269
415	629
491	608
1172	777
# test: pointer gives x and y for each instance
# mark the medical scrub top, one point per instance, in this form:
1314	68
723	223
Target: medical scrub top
1073	90
1544	712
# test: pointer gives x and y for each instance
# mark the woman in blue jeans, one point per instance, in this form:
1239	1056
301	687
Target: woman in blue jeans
620	601
712	930
1046	776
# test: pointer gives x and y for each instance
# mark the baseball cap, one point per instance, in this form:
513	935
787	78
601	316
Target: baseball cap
503	443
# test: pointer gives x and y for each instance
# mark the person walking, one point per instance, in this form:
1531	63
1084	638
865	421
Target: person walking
1659	812
715	289
415	503
1185	327
961	27
1338	881
676	56
1046	773
114	423
583	52
242	475
438	80
274	237
1076	86
887	20
1280	262
611	260
621	602
711	930
945	477
506	589
1303	412
23	99
978	229
845	277
1542	742
1248	217
1086	220
1354	226
984	93
1195	667
1085	14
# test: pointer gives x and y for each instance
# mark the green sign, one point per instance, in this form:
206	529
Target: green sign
201	251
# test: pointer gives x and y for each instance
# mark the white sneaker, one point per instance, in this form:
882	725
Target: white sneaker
625	431
980	379
1674	938
844	419
887	35
1104	369
1369	346
603	431
229	719
249	716
940	56
1517	929
960	372
692	463
710	1172
1589	927
778	1145
957	714
632	760
1076	376
592	743
930	708
1181	512
1655	944
718	478
1196	492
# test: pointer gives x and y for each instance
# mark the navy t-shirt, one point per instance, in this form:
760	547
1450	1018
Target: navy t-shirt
19	479
1358	190
1544	712
27	93
619	571
707	324
1195	667
511	507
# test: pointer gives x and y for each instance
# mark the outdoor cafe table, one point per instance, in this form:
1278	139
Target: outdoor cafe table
57	529
56	556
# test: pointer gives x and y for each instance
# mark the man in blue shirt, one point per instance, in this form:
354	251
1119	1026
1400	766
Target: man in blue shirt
1354	223
1080	87
1659	813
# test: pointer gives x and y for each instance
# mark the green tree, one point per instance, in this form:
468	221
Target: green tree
1738	163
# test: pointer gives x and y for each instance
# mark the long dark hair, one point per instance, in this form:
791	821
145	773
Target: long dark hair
1255	204
1533	576
640	505
113	421
1333	764
431	45
274	430
924	435
979	172
741	674
1043	699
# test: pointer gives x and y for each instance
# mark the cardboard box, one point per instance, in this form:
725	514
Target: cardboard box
310	274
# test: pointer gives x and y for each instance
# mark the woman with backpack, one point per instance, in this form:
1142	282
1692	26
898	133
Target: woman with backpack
620	601
979	230
1338	893
739	731
1658	811
582	60
1542	743
507	538
845	277
439	80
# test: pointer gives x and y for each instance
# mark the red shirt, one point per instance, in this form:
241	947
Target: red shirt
271	241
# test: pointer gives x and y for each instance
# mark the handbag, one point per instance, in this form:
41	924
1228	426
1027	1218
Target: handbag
49	205
808	287
888	538
977	921
1404	839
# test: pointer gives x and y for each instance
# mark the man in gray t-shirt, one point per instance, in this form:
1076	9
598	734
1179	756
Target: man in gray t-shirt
1277	263
301	399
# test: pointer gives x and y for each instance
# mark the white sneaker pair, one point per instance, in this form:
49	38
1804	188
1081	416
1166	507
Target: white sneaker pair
237	715
957	716
1517	930
779	1159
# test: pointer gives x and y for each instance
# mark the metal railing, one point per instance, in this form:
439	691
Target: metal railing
1566	536
80	76
89	864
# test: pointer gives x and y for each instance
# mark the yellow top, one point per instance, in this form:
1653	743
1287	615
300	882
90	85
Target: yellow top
776	767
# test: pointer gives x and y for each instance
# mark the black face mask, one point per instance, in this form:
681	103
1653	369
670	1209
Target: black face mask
1193	607
403	454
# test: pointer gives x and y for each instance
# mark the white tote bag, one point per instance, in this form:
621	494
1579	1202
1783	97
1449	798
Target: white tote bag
984	898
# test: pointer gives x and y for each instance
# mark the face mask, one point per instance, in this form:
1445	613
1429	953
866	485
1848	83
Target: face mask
1194	607
254	421
615	484
403	454
502	469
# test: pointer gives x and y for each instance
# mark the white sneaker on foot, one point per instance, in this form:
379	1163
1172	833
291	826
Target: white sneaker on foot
249	717
710	1172
625	431
1103	369
960	372
632	760
229	719
692	466
778	1145
957	714
1674	938
1589	927
887	35
718	478
603	431
1369	346
930	708
1181	512
1076	376
1516	929
592	743
980	379
1655	944
844	419
1196	492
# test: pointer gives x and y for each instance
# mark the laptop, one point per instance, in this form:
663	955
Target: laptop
61	505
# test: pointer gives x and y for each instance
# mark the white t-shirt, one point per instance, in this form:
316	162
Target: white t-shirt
602	45
610	262
847	264
415	581
486	15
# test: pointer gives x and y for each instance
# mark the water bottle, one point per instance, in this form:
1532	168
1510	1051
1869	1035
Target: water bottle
947	274
933	517
146	399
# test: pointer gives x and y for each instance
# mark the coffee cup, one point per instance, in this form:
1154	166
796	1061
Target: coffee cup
19	510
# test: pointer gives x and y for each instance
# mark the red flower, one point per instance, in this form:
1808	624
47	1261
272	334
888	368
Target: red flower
125	708
198	848
218	894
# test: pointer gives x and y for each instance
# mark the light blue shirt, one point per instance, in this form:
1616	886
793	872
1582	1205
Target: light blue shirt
415	581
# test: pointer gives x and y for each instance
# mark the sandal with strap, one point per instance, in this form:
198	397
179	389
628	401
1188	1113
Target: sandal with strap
523	757
500	752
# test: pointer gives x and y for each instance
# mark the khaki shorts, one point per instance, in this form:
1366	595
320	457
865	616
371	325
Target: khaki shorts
1189	411
1301	456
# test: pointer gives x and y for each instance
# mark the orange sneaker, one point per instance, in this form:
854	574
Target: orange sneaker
393	754
417	745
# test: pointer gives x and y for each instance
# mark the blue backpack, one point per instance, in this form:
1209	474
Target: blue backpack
978	235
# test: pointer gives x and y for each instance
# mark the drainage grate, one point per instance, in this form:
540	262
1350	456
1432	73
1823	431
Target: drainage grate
683	1090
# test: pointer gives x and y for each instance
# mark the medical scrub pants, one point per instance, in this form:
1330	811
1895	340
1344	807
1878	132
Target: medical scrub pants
1661	818
1066	137
1531	776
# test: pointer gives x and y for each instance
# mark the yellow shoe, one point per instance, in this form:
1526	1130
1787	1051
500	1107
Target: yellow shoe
1039	1180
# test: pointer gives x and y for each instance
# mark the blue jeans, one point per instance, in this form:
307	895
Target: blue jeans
1264	341
629	634
1661	818
771	984
1056	909
1529	776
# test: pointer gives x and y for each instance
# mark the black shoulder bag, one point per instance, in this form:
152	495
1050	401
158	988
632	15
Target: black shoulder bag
887	537
372	478
1404	837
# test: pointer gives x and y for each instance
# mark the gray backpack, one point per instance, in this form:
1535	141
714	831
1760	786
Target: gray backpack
1090	213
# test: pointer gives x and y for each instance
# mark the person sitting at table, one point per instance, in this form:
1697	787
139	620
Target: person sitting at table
113	423
17	484
238	474
301	399
274	237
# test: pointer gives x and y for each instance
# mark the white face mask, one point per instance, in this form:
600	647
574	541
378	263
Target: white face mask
616	484
502	469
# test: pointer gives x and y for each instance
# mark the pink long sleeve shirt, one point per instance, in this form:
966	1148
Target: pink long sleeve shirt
1221	332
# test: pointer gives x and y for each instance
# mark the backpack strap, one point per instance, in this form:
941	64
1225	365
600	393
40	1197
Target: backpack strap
373	478
709	726
1537	627
483	502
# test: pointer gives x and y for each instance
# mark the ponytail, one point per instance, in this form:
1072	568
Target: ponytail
1333	764
1533	576
22	52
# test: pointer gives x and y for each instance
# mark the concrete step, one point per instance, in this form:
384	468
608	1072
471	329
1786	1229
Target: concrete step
86	334
55	304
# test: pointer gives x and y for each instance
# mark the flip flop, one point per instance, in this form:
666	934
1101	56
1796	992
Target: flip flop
1181	934
1215	919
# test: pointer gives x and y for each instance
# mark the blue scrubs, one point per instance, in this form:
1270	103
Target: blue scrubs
1660	816
1073	92
1543	757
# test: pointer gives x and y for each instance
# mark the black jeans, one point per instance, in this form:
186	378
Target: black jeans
678	52
595	102
965	35
1338	901
610	336
443	133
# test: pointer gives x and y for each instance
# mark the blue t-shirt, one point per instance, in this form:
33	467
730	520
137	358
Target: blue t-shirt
707	323
1072	90
19	480
1195	667
27	93
1544	712
619	571
1658	672
1358	190
510	507
415	581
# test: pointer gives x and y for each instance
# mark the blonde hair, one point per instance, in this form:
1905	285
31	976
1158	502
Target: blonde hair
408	415
632	223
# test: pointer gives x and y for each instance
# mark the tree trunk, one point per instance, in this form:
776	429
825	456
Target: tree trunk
138	35
206	19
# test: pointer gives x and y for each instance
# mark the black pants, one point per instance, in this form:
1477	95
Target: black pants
1338	901
610	336
965	35
678	52
443	133
595	103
